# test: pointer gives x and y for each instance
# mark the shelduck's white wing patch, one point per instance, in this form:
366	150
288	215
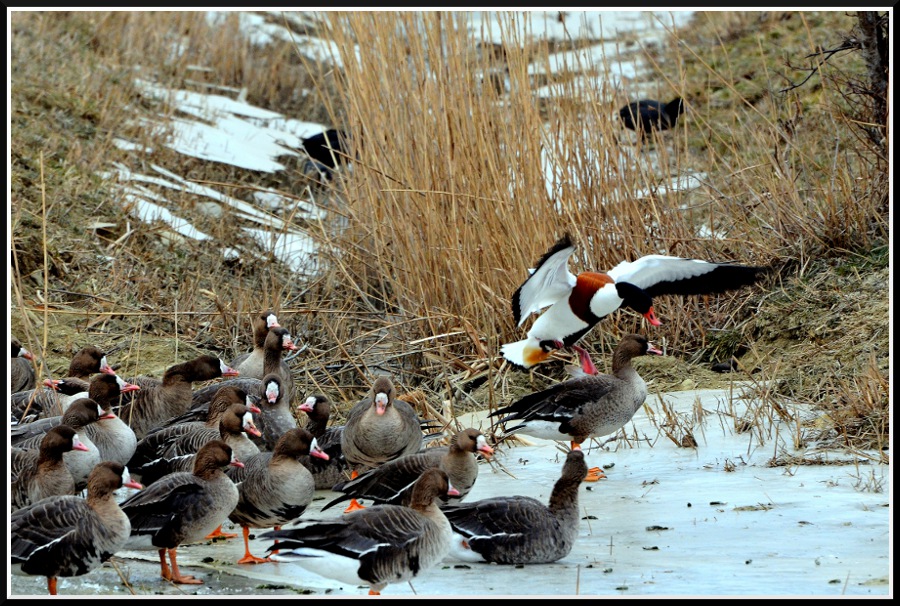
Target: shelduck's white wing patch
549	282
664	275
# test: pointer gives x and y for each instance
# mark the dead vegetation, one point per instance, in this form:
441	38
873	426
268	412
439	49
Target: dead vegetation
446	205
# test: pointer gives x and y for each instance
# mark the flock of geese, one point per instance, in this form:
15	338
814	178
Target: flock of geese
233	450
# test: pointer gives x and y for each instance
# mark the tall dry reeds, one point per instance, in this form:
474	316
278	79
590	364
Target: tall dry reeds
449	202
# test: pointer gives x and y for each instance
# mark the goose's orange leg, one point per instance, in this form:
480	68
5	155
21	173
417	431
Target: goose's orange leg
594	473
51	585
354	504
164	571
248	557
176	574
217	534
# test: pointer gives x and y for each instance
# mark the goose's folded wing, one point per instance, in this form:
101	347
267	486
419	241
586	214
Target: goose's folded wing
559	402
387	482
153	507
496	517
47	521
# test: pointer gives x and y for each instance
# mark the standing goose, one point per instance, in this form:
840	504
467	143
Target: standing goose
275	487
180	453
251	364
21	369
326	472
375	546
519	529
379	428
392	482
36	474
161	399
648	115
275	417
278	340
578	303
585	406
79	416
183	507
68	536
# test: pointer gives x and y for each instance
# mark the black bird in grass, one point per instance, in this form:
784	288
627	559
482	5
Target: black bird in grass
326	150
648	115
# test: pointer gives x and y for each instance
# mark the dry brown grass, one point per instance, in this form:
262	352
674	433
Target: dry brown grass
446	205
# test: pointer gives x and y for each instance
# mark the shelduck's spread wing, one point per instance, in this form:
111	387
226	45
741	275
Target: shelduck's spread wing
664	275
549	282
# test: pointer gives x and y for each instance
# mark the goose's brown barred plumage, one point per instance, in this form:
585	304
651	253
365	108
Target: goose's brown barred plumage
180	453
40	473
183	507
79	416
68	536
158	400
275	487
520	529
376	546
585	406
392	482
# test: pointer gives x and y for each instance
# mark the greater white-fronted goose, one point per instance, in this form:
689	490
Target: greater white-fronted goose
252	364
179	454
88	361
183	507
39	473
54	395
375	546
519	529
379	428
318	413
81	414
392	482
114	438
278	340
68	536
21	369
49	400
275	487
585	406
161	399
275	417
153	445
328	472
578	303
